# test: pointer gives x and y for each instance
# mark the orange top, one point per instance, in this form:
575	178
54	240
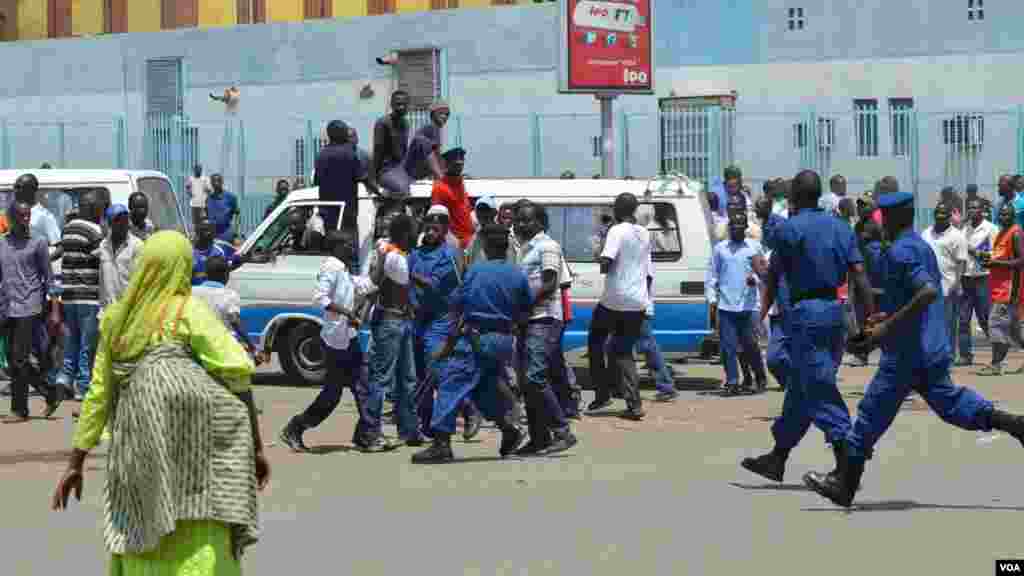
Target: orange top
451	193
1000	280
5	227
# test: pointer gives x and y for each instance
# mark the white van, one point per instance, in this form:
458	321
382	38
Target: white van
59	191
276	285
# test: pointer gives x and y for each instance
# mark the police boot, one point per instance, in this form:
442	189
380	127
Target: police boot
1009	423
840	485
472	426
771	465
439	451
511	438
291	436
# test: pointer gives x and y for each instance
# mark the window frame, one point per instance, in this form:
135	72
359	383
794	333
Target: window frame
279	232
975	10
575	257
164	198
900	128
865	127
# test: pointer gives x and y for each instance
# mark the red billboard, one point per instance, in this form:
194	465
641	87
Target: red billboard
606	46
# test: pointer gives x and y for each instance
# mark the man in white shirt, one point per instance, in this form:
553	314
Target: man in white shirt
950	249
980	234
198	188
342	296
626	262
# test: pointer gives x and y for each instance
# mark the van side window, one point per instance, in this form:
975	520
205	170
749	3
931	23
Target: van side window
579	228
297	230
163	208
62	202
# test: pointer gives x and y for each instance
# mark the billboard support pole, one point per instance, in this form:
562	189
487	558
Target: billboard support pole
607	135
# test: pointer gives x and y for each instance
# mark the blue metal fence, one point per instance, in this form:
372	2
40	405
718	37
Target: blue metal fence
924	149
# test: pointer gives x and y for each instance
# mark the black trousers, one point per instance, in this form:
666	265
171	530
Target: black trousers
626	329
25	336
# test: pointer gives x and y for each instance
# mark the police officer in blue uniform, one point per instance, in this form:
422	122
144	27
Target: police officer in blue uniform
492	300
814	252
916	355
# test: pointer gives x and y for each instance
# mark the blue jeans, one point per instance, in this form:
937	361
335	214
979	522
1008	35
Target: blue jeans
975	299
736	331
648	346
956	405
79	345
393	365
543	411
474	377
816	329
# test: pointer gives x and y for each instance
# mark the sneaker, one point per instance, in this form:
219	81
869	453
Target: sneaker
562	441
962	361
990	370
51	407
472	427
667	396
599	404
292	437
510	440
376	445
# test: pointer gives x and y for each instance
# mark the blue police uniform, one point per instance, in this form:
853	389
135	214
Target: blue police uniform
814	251
433	321
777	357
916	354
493	296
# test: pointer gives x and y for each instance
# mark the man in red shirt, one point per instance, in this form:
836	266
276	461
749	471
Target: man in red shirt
450	192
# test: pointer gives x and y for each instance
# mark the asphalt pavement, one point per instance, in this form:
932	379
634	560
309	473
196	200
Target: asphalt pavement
662	496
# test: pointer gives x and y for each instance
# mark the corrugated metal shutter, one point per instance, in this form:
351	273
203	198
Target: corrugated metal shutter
417	75
163	86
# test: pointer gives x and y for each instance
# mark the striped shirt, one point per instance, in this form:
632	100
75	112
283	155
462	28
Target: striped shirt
80	265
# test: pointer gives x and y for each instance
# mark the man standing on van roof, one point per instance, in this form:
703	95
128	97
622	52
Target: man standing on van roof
338	173
390	136
450	192
814	251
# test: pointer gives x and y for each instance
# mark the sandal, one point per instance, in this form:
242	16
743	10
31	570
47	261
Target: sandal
990	370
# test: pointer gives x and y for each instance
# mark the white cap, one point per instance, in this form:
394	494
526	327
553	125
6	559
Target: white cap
438	209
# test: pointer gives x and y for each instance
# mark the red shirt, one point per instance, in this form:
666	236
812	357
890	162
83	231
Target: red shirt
451	193
877	216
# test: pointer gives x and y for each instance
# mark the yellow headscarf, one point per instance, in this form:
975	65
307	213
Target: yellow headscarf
162	277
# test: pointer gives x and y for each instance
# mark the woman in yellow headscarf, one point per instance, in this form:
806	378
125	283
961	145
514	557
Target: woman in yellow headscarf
185	458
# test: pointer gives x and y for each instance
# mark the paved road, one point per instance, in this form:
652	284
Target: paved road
664	496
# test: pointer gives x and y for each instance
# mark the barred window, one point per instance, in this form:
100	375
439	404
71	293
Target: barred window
900	125
866	127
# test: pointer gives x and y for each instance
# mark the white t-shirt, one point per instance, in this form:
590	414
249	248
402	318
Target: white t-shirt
980	238
628	246
950	249
199	188
396	268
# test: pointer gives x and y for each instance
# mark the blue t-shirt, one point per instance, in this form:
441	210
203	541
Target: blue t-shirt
814	250
199	258
493	292
221	211
923	341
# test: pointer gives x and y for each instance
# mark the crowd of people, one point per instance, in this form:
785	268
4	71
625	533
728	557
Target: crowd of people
467	304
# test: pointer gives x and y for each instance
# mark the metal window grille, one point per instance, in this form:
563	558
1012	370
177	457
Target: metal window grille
975	10
300	155
966	130
796	19
826	134
900	125
418	74
866	127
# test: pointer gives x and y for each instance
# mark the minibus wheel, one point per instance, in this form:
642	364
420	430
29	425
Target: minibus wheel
301	354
